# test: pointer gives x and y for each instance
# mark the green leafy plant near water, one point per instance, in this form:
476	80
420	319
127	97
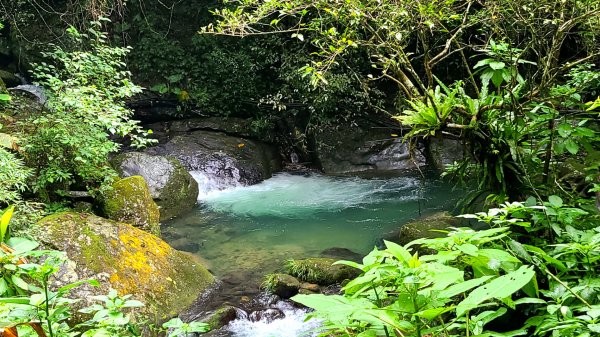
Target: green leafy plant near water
31	306
540	260
69	146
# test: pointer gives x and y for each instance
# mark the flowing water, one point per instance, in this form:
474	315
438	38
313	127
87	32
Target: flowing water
243	233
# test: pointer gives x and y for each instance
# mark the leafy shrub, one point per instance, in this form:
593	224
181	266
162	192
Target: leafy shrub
473	278
13	175
70	144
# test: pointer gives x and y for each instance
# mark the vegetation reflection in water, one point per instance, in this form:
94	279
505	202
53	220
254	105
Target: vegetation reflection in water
250	231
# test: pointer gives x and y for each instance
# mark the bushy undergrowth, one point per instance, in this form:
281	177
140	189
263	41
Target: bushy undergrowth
535	268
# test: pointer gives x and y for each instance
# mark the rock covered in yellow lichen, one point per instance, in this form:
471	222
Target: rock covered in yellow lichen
129	200
127	259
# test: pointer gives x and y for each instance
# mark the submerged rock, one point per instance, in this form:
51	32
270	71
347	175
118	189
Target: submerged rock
341	254
231	161
126	259
171	185
129	201
320	270
428	226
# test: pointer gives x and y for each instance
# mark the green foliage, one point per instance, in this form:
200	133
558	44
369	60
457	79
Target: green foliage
13	175
505	98
176	327
109	318
269	282
533	259
70	144
303	270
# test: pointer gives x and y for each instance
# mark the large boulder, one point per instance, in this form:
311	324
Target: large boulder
171	185
126	259
365	148
444	151
222	159
129	200
320	270
429	226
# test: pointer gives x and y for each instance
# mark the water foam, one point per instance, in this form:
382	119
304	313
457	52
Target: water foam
293	196
293	325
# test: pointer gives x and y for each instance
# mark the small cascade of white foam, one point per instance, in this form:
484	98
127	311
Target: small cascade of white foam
298	196
292	325
209	184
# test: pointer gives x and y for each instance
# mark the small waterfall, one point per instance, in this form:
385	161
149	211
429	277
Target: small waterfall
209	184
292	325
299	196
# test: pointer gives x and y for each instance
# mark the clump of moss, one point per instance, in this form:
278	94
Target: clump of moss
129	200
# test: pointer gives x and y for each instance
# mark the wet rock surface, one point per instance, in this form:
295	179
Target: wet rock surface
341	254
227	159
126	259
365	148
129	200
428	226
171	185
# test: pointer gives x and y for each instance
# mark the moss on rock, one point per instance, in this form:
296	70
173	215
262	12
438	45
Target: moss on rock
171	185
320	270
126	259
282	285
129	201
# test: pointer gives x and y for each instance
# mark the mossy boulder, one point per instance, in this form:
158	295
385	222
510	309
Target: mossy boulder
172	187
283	285
428	226
126	259
220	317
129	200
320	270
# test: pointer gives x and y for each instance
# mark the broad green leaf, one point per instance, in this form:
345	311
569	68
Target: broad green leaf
37	299
4	97
468	248
555	201
22	245
3	286
14	300
571	146
433	313
70	286
16	280
501	287
530	300
496	65
401	253
334	307
460	288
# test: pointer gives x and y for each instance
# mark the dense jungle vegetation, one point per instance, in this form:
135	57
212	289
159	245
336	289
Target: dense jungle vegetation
517	81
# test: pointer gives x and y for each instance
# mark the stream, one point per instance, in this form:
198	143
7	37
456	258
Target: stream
243	233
